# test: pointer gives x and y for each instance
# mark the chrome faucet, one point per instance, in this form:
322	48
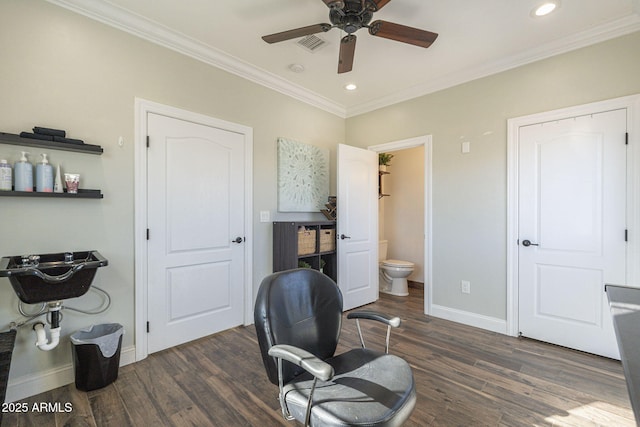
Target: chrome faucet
30	260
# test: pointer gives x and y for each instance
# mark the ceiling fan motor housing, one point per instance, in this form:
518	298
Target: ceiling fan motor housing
354	15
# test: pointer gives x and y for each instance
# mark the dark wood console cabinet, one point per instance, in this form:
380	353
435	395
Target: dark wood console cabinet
293	248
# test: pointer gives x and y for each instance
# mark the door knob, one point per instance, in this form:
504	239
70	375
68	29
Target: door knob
238	240
342	236
528	243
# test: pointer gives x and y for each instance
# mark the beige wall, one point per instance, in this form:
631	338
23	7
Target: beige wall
61	70
402	216
469	190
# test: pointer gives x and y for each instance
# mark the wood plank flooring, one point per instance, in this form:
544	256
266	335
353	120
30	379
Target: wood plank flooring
465	377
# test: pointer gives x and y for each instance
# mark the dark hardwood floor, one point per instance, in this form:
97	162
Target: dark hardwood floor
465	377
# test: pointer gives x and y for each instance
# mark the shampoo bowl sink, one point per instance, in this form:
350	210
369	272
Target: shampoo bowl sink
51	277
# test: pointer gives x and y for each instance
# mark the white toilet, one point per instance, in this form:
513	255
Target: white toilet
393	273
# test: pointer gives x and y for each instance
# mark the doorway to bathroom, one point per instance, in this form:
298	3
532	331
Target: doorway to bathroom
405	217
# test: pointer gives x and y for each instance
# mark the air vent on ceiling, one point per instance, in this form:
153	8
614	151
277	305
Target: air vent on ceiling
311	43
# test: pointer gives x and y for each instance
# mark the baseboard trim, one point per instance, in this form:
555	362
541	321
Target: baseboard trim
30	385
415	285
471	319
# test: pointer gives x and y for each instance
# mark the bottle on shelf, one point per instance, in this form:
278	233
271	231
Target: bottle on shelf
44	176
6	180
23	174
57	186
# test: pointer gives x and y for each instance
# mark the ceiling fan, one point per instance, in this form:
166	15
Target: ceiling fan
350	16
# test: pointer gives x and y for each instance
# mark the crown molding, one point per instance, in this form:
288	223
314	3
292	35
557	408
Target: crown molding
592	36
156	33
149	30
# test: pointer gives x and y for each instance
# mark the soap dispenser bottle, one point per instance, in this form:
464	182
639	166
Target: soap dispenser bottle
23	174
44	176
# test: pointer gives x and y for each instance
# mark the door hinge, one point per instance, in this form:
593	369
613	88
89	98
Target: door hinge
626	138
148	328
626	235
147	141
147	234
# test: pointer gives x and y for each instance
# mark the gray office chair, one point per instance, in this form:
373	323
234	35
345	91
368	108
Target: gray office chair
298	316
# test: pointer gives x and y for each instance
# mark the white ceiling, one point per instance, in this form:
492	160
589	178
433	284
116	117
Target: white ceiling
476	38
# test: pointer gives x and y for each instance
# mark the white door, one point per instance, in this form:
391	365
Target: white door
357	225
572	208
195	213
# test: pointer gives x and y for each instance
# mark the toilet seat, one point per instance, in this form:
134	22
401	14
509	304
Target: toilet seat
397	263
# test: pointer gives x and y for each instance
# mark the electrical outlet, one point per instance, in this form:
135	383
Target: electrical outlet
465	286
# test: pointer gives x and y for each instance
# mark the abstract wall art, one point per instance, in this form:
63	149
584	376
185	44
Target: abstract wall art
303	176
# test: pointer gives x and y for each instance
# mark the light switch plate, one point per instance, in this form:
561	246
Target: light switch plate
265	216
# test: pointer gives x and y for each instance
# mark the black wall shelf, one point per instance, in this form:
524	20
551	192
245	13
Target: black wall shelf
81	194
9	138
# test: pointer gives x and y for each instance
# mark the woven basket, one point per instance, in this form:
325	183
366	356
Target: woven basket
327	240
306	242
7	340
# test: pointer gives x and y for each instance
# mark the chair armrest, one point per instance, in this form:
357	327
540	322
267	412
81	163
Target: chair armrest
307	361
391	322
374	315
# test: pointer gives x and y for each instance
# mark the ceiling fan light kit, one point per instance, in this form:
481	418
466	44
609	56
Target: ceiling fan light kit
350	16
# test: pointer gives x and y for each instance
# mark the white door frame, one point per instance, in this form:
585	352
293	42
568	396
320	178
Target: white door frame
142	108
632	104
427	141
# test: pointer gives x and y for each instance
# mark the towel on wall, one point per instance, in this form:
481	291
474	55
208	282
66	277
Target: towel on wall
48	131
36	136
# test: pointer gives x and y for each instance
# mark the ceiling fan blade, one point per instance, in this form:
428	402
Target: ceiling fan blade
347	51
380	4
297	33
402	33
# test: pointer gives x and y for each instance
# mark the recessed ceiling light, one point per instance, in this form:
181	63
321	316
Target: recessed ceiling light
545	8
296	68
351	86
